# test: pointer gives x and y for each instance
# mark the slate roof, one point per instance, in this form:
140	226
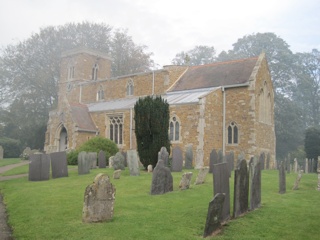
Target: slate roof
216	74
81	117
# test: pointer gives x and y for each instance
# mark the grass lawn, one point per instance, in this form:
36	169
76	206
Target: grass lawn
53	209
8	161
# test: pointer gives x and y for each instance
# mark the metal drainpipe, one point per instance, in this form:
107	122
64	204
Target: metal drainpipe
80	97
131	128
224	121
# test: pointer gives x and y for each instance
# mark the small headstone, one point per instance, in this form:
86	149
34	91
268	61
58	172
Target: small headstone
164	155
102	159
177	160
93	159
241	189
59	165
202	175
133	162
118	161
117	174
111	161
1	152
150	168
213	222
83	163
162	180
296	183
188	157
282	178
99	200
185	181
213	160
39	167
221	185
255	184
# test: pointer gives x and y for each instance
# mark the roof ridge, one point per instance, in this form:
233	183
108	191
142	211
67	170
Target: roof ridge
225	62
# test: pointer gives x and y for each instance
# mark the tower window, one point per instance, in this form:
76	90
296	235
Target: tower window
233	134
95	72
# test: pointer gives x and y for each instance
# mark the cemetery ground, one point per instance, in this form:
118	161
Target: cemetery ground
53	209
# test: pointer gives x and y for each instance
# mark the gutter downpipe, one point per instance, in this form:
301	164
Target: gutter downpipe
80	97
131	128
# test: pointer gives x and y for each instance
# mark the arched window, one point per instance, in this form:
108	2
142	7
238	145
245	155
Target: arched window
233	134
116	128
95	72
100	94
70	72
174	129
130	87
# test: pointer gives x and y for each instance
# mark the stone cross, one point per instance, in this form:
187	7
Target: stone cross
282	178
185	181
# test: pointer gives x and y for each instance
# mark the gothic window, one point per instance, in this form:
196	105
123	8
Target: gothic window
116	129
70	72
174	129
95	72
233	134
130	87
100	94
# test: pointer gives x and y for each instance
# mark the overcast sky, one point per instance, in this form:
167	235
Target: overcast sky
168	27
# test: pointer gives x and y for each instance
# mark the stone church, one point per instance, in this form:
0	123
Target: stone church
223	105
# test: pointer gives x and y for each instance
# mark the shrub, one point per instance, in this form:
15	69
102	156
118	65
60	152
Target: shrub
11	147
72	157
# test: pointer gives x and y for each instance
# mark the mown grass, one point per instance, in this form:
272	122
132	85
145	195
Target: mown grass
9	161
53	209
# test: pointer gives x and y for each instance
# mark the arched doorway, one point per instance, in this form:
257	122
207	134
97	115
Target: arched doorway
63	140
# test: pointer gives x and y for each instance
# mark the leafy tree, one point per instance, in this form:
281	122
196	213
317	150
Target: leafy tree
199	55
312	143
151	128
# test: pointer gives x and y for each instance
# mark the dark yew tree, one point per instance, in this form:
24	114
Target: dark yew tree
151	128
312	143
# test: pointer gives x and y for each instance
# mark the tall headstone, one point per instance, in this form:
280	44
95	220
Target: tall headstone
306	167
221	185
297	181
39	167
133	162
93	159
262	160
118	161
295	165
59	165
1	152
177	160
214	214
162	180
188	157
282	178
255	184
99	200
83	163
202	175
213	160
164	155
241	189
185	181
102	162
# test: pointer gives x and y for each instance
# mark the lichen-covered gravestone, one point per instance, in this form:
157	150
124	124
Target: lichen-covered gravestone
296	183
83	163
117	174
164	155
185	181
39	167
177	160
201	175
118	161
102	163
99	200
1	152
255	183
133	162
162	180
282	178
93	159
188	157
59	165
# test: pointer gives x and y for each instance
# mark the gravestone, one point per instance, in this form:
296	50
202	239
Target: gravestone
282	178
162	180
93	159
133	162
296	183
318	170
111	161
295	165
99	200
118	161
213	160
117	174
287	165
150	168
262	160
241	189
124	154
214	214
59	165
201	175
177	160
306	167
164	155
83	163
268	161
255	183
221	185
188	157
39	167
221	158
185	181
1	152
102	159
230	160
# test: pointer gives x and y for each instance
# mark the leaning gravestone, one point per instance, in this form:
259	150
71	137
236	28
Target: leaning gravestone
162	180
1	152
83	163
213	160
177	160
99	200
133	162
214	214
93	159
102	159
241	189
221	185
282	178
185	181
164	155
118	161
201	175
59	166
296	183
188	157
39	167
117	174
255	183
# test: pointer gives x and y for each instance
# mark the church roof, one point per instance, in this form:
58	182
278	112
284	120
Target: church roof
81	117
216	74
